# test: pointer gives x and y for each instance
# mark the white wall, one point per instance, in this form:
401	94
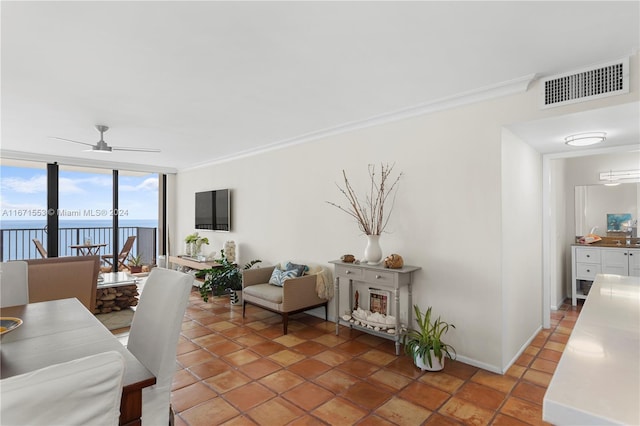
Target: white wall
447	217
521	245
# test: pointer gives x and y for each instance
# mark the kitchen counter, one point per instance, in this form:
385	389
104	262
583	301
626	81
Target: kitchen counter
597	381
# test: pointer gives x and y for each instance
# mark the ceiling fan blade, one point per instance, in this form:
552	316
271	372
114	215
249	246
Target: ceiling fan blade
69	140
124	148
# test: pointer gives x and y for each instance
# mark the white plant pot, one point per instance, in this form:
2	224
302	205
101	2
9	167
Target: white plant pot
423	364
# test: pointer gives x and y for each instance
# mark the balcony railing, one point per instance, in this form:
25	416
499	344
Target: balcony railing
17	244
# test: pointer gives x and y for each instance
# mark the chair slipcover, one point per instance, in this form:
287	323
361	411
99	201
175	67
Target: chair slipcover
14	287
153	337
85	391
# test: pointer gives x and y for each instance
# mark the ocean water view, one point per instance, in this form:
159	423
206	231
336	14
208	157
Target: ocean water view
16	237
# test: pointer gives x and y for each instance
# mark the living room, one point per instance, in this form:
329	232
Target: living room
470	202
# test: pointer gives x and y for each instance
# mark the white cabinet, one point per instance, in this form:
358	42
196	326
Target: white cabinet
587	262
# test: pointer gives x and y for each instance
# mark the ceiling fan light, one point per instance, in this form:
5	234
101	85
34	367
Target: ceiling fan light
585	139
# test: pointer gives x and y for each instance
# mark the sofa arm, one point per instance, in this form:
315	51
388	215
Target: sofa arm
299	293
256	276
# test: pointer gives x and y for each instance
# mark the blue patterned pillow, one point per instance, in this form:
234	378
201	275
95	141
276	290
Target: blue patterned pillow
278	276
301	269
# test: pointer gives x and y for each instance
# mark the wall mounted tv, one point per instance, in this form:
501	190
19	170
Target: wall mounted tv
213	210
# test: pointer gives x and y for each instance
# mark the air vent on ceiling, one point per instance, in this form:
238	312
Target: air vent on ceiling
593	83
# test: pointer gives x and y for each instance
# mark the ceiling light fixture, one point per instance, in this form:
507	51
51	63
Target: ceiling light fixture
585	139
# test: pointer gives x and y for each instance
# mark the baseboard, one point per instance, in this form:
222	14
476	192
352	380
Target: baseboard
522	349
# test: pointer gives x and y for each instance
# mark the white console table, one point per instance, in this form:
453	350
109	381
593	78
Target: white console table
377	277
597	381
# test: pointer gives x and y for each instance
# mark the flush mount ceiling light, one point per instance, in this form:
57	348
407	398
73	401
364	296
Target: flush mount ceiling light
585	139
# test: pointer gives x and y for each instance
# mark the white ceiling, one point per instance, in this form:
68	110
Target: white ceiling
205	81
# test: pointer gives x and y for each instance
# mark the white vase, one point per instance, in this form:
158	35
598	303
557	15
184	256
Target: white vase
373	252
423	363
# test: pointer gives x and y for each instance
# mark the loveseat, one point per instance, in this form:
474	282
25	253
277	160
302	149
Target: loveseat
296	294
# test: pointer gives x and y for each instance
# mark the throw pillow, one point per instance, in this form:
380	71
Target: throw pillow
293	266
278	276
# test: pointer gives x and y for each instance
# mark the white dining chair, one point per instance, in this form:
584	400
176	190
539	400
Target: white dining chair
153	337
85	391
14	283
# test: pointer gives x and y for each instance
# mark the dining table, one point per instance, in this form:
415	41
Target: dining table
62	330
88	249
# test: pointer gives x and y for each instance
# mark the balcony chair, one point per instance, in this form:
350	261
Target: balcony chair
124	253
153	337
290	295
14	285
64	277
85	391
40	248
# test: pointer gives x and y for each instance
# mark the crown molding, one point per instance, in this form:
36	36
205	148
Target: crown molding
518	85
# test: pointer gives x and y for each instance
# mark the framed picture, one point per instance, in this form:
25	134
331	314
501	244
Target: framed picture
618	221
379	301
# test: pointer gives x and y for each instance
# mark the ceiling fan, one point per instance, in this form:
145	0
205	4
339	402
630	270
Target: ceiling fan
101	145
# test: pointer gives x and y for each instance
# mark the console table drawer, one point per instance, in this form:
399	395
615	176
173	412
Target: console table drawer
587	270
586	255
350	272
386	278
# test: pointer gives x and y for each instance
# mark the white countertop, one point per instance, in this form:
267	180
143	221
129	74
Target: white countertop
597	381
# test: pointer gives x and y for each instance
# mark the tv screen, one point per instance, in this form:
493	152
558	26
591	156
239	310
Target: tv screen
213	210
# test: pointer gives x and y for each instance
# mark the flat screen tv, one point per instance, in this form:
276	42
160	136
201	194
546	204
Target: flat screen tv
213	210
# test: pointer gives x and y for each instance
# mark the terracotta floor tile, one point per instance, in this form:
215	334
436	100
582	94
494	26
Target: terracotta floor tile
403	412
524	360
516	371
390	379
460	370
550	355
221	326
276	411
494	381
241	357
529	392
405	366
437	419
202	414
182	378
242	420
331	357
330	340
309	368
544	365
424	395
503	420
308	396
260	368
197	331
281	381
374	420
532	350
267	348
187	346
367	395
194	357
248	396
190	396
442	381
358	368
537	377
353	347
250	339
338	411
228	380
336	381
289	340
309	348
286	357
555	346
371	340
378	357
208	340
210	368
559	337
481	395
466	412
523	410
224	347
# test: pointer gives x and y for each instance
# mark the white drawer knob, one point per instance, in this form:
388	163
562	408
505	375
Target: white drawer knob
348	272
378	277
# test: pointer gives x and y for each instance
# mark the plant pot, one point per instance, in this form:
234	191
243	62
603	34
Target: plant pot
235	297
135	269
423	364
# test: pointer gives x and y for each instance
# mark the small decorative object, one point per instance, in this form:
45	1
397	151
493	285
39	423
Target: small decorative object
369	212
135	263
348	258
379	301
355	308
393	261
425	344
230	251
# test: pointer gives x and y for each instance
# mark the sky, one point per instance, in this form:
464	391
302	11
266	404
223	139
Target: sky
83	196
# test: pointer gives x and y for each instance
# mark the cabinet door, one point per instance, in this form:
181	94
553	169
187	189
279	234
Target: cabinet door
615	261
634	262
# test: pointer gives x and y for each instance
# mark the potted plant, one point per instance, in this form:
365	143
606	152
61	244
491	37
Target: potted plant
425	344
135	263
226	277
193	244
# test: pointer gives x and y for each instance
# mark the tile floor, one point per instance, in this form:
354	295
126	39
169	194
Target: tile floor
236	371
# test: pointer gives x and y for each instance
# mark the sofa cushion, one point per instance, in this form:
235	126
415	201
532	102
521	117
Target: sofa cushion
278	276
295	267
267	292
